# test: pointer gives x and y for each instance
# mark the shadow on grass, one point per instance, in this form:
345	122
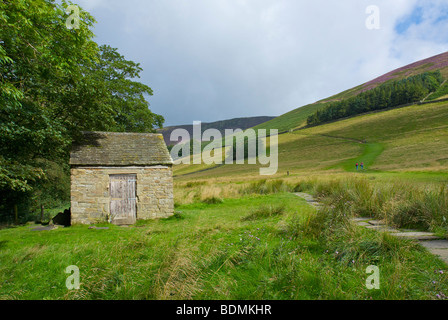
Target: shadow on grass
3	244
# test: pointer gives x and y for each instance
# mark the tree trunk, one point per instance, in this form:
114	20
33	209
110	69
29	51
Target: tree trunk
16	214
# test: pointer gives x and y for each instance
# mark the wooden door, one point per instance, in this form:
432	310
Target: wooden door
123	198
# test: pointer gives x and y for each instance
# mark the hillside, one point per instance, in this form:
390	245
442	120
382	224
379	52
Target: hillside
405	140
236	123
297	117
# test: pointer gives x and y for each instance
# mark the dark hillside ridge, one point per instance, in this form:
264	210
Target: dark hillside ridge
236	123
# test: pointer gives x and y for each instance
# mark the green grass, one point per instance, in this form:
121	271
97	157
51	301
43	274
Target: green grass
413	177
234	236
264	212
209	251
161	259
369	154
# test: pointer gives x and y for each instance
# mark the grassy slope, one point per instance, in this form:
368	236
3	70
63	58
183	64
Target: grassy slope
292	119
407	139
297	117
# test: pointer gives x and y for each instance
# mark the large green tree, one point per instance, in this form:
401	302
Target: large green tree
54	83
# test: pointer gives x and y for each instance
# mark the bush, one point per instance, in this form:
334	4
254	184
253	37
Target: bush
442	91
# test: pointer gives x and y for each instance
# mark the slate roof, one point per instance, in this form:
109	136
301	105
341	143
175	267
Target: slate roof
120	149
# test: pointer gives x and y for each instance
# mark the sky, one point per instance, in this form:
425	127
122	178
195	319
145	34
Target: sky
210	60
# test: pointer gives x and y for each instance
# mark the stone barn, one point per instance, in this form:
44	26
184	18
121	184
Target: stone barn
120	178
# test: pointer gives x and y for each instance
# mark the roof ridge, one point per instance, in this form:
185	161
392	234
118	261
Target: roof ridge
101	148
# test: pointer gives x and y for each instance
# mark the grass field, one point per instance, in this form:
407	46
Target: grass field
237	235
250	247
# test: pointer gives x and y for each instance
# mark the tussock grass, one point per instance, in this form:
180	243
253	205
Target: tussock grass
264	212
421	206
211	193
266	187
350	246
192	184
214	192
212	200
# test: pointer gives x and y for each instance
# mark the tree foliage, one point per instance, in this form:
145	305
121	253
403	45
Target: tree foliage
54	83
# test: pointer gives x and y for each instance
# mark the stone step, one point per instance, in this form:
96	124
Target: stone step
429	240
441	253
417	235
437	247
46	228
436	244
308	198
382	228
376	223
362	219
363	223
304	195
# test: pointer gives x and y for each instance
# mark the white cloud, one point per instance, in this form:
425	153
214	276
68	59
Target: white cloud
211	60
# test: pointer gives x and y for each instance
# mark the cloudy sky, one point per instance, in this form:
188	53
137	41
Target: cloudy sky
211	60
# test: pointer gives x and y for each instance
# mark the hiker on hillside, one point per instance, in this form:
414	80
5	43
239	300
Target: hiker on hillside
362	165
356	165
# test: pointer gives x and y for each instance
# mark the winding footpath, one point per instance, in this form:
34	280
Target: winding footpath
434	244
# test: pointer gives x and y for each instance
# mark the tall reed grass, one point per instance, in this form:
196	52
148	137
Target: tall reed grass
215	192
399	204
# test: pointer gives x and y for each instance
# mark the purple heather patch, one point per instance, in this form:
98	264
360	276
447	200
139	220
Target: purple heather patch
438	61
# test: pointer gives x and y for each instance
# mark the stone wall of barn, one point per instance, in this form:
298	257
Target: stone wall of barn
90	198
